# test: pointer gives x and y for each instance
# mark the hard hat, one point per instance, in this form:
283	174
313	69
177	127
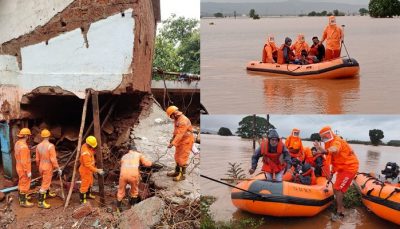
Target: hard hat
45	133
91	140
170	110
325	129
23	132
332	20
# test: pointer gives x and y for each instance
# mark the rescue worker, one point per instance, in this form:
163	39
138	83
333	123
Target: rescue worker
46	160
182	140
344	163
299	46
276	158
87	168
317	50
270	52
294	138
23	166
285	54
130	174
333	35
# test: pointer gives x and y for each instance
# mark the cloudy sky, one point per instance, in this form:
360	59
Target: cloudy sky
186	8
349	126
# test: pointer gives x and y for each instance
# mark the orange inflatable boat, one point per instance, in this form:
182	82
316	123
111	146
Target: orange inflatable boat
282	199
333	69
381	198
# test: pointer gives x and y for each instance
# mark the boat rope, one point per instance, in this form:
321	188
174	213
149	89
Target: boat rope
396	190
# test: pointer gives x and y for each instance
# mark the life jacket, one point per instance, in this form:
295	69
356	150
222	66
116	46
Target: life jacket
345	159
273	162
281	58
307	178
265	54
314	50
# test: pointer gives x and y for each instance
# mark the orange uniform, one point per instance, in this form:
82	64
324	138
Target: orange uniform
130	163
344	162
300	45
333	35
269	51
46	159
87	167
293	141
183	139
23	165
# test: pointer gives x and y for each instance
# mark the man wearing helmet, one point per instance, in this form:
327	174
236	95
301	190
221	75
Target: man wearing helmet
276	158
46	160
333	35
344	163
87	168
182	140
22	155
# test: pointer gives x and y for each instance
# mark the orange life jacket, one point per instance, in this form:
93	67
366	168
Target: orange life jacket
314	50
272	49
273	162
345	159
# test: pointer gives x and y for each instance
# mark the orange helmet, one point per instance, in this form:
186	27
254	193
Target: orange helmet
45	133
171	109
300	38
295	132
326	134
332	20
23	132
271	39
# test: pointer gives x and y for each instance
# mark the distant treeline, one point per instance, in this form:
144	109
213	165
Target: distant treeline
325	13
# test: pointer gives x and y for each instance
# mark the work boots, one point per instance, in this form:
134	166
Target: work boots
133	200
50	193
23	202
82	198
90	195
42	201
174	173
180	176
119	206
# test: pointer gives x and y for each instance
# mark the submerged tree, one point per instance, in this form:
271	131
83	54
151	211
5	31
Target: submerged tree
375	136
384	8
223	131
261	127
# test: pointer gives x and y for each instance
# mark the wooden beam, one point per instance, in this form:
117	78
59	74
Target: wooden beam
97	134
78	148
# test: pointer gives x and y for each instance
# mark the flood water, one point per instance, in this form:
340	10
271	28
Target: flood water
217	151
229	44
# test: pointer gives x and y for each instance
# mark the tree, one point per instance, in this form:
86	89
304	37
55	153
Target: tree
223	131
375	136
315	137
363	11
219	14
336	12
262	126
384	8
178	45
312	14
252	13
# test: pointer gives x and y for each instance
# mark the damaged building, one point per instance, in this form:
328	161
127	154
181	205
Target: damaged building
53	54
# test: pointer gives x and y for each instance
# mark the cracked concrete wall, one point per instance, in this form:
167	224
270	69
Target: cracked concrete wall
106	45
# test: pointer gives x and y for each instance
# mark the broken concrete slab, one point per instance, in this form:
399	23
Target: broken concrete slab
108	128
82	211
56	131
143	215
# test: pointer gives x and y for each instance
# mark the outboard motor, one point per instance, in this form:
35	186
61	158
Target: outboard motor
391	170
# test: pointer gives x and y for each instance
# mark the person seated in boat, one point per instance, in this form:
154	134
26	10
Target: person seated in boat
306	175
318	161
276	157
317	50
285	54
296	155
299	46
305	59
270	52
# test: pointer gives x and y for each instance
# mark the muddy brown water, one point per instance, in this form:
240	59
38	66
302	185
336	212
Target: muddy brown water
229	44
217	151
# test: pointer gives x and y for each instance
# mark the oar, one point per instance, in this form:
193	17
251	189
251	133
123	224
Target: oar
232	186
342	43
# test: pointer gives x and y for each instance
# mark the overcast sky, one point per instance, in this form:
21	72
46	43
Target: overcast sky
186	8
355	127
336	1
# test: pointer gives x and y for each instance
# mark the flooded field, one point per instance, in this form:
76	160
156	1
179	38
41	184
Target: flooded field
228	44
217	151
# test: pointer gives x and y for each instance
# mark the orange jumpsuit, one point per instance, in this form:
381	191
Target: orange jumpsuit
333	35
293	141
87	167
344	162
23	165
300	45
46	158
183	139
268	52
130	163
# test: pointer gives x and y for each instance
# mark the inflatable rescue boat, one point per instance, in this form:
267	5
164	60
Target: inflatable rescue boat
381	198
283	199
333	69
